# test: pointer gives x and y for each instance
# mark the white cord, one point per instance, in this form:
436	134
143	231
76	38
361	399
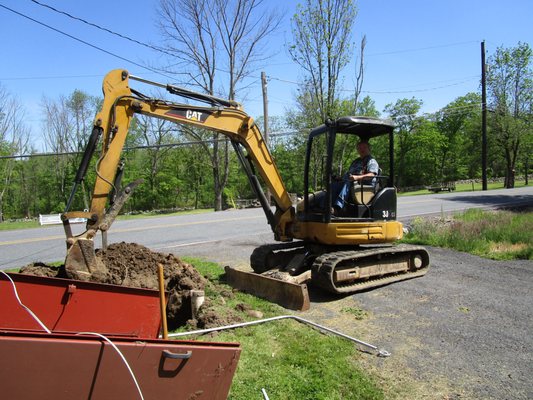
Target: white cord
121	356
23	306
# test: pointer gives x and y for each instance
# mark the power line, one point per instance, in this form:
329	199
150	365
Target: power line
103	28
140	147
422	48
23	78
158	49
412	91
84	42
389	91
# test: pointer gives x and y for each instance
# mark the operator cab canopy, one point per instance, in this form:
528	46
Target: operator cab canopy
364	127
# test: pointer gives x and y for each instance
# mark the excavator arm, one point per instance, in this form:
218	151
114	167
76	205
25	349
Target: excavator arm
111	126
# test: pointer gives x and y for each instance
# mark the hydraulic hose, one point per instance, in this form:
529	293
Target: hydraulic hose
82	169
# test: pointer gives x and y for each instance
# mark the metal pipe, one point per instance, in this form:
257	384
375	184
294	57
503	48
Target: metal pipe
380	352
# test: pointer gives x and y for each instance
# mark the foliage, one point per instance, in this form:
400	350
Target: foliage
322	47
510	87
500	235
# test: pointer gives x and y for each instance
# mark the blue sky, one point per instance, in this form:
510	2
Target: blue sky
428	49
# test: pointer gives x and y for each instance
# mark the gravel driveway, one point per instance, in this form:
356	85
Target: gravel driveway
465	330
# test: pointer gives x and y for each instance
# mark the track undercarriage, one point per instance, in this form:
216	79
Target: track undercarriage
336	269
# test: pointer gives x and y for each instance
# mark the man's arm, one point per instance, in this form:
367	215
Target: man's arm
372	170
361	177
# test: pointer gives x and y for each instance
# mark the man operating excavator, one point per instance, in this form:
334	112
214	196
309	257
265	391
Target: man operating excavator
362	169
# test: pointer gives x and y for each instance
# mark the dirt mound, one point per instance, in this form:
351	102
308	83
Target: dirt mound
130	264
42	269
133	265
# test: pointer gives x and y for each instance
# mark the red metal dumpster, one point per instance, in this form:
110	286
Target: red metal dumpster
65	305
60	366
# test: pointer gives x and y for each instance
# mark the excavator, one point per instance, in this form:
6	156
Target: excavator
344	253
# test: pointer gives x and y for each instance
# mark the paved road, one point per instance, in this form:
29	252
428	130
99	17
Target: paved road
218	236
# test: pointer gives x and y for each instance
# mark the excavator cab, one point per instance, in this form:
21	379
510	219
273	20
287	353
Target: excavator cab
330	149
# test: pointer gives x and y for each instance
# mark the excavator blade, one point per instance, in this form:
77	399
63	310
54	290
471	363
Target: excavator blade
292	296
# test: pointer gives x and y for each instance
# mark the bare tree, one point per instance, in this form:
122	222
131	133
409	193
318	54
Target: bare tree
57	133
14	139
359	74
216	44
321	46
67	126
155	132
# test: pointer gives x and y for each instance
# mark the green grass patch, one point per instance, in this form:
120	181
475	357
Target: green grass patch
11	270
358	313
464	187
499	235
289	360
155	214
15	225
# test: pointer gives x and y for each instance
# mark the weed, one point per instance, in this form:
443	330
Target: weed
358	313
500	235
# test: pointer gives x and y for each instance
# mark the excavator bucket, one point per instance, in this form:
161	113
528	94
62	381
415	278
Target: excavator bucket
81	262
290	295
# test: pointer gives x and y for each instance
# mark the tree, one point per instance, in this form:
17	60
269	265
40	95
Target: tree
155	133
321	46
14	138
404	114
216	44
67	127
460	147
510	90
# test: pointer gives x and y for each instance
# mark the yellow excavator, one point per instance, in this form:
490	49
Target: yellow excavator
343	253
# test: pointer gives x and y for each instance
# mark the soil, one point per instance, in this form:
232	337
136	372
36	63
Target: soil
133	265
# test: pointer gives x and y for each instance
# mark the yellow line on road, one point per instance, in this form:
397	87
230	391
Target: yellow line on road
185	224
418	201
144	228
21	241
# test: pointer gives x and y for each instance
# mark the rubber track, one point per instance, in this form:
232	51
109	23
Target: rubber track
261	254
324	267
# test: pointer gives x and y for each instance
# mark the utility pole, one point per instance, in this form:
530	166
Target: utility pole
265	116
483	118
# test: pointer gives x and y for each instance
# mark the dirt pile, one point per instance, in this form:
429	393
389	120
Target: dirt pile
133	265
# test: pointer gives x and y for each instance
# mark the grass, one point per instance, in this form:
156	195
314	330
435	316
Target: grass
287	359
30	223
154	214
15	225
358	313
498	235
465	187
